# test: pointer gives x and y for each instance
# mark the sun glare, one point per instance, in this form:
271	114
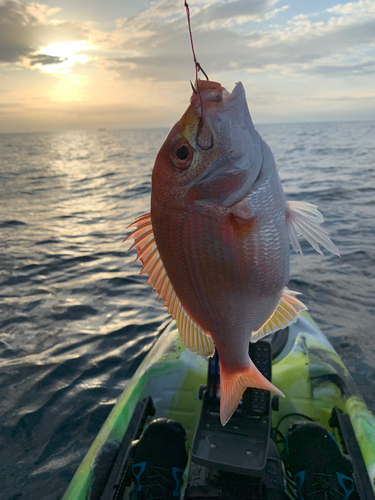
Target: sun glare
65	54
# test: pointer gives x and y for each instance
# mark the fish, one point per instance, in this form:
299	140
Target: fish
216	243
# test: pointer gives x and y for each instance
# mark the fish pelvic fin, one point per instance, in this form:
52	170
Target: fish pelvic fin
234	384
147	252
286	313
303	219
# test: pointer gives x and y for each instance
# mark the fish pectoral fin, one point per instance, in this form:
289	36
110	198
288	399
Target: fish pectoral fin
147	252
303	219
286	313
233	385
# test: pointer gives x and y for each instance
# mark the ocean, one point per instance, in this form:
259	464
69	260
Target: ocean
77	319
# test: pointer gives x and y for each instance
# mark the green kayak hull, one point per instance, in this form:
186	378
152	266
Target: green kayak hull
308	371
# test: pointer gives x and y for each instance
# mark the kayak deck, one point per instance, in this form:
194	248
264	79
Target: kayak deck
307	370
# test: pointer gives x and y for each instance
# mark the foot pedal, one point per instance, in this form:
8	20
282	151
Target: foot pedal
241	447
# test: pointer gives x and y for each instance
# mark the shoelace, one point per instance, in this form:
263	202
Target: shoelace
323	486
158	489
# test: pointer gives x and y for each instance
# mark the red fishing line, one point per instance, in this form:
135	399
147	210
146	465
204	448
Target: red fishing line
196	63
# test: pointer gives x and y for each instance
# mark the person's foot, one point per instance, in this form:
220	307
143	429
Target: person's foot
319	469
159	461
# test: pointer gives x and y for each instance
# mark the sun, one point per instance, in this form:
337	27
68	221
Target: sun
60	57
58	60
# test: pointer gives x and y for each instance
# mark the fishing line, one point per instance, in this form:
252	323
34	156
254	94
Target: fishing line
198	67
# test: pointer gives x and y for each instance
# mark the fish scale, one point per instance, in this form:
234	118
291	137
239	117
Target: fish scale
270	248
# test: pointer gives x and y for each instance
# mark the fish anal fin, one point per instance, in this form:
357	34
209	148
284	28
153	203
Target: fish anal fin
147	252
286	313
192	336
303	219
234	384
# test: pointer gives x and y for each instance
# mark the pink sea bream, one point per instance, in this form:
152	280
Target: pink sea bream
216	245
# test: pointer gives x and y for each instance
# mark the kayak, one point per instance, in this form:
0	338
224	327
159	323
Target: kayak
305	367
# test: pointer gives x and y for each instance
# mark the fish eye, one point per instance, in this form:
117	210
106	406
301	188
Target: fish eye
181	155
182	152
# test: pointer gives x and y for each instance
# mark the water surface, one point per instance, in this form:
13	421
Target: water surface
76	317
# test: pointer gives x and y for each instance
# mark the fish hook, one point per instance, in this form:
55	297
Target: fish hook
200	127
203	71
205	74
194	89
197	90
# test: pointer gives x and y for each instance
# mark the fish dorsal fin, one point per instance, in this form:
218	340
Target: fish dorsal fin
303	220
148	253
286	313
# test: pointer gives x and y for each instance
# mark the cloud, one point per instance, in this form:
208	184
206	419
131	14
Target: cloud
235	11
45	59
171	58
305	43
354	8
344	98
156	47
6	106
78	115
270	15
362	68
160	25
25	28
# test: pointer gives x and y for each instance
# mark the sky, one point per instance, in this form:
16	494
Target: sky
88	64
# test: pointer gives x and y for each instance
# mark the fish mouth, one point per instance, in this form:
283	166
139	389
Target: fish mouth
215	96
238	91
227	120
218	105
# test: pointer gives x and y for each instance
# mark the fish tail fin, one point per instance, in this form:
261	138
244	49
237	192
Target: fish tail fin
233	385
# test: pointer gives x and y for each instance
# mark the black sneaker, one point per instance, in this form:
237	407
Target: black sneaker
319	469
160	461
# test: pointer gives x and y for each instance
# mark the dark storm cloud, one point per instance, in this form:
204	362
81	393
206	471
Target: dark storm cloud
24	29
